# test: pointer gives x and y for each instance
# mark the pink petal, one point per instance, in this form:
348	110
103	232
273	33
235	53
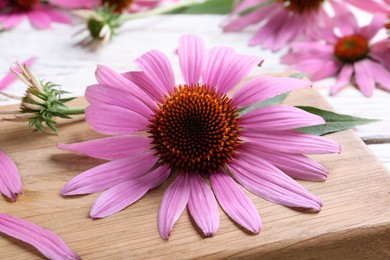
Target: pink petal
314	48
279	118
377	22
244	5
10	181
265	87
343	79
329	69
126	193
108	119
273	34
381	75
268	182
344	19
192	57
107	76
364	78
203	206
158	69
294	165
289	30
11	20
252	18
10	76
302	51
235	202
48	243
140	79
235	70
291	142
102	94
110	148
368	6
39	19
58	17
109	174
379	51
318	67
172	204
218	57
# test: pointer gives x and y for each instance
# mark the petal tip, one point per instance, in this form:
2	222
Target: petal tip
209	233
165	236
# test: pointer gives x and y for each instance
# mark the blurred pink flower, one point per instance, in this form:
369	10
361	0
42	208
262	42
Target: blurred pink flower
194	131
48	243
40	15
283	21
350	55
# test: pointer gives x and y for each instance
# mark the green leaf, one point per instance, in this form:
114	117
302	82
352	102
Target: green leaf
334	122
208	7
65	100
268	102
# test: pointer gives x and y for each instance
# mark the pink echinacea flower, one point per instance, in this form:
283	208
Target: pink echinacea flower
283	21
353	56
195	131
40	15
48	243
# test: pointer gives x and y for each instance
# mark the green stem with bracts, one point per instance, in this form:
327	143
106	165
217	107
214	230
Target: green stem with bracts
44	103
41	103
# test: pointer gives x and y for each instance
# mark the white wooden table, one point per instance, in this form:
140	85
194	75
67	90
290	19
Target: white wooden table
72	67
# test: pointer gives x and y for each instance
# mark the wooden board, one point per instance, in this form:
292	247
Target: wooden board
354	222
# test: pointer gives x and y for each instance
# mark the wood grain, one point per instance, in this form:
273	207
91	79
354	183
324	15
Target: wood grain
353	224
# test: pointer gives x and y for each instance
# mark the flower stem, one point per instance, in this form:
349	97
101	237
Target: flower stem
162	10
72	110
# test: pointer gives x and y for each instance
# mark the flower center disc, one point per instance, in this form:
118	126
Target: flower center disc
195	129
25	4
119	5
302	6
351	48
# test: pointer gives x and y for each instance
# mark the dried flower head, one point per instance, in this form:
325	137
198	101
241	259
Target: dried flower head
101	25
40	103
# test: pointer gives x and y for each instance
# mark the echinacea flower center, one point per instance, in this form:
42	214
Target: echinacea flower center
195	129
351	48
302	6
118	5
24	4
